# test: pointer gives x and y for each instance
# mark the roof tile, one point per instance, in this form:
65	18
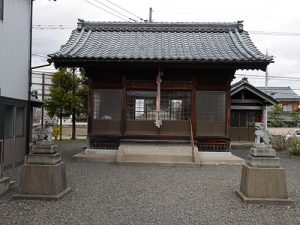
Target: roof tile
204	42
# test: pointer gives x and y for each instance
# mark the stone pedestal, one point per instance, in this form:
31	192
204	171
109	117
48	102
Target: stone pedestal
4	185
263	180
44	175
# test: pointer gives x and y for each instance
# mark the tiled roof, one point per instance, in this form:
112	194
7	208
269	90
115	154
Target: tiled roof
178	42
245	85
280	93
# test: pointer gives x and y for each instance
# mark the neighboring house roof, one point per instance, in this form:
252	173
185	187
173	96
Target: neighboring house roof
162	43
244	85
281	93
36	102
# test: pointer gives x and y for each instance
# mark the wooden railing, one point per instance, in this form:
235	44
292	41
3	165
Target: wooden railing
192	140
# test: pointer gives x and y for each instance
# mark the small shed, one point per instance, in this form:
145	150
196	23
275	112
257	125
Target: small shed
248	105
160	81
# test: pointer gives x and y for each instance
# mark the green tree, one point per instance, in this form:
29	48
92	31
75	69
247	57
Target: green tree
68	96
276	116
295	118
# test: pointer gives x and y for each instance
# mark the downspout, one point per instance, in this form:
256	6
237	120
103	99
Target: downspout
28	127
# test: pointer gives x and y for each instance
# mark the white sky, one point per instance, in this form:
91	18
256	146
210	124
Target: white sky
258	15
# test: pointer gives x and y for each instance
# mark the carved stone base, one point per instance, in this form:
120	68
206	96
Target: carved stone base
263	185
263	152
44	159
46	182
44	148
263	162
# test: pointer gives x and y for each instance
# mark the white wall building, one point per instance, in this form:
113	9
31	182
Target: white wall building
15	26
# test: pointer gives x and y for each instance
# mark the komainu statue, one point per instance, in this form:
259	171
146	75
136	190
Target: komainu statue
263	138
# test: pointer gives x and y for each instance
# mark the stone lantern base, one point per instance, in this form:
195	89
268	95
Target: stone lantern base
44	175
263	185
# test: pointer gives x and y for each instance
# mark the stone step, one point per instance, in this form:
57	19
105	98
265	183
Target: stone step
157	158
157	149
155	153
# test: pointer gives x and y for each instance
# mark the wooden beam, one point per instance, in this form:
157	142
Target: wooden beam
245	107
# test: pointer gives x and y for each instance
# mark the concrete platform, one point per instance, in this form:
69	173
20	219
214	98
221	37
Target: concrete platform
241	145
97	155
217	158
154	154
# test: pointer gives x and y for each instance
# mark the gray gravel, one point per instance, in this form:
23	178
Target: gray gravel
112	194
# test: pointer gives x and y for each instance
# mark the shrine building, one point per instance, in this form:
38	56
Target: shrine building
160	81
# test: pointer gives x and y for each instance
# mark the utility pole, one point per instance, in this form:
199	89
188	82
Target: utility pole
43	94
150	14
267	74
265	111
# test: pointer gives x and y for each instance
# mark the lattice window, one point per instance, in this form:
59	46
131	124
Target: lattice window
211	111
107	104
175	105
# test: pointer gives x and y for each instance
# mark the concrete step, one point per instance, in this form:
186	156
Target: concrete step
155	153
151	158
157	149
241	145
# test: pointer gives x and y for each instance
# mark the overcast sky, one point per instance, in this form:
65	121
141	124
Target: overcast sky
274	25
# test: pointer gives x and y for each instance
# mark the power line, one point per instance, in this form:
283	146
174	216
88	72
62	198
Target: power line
104	10
115	10
125	10
41	56
270	77
280	33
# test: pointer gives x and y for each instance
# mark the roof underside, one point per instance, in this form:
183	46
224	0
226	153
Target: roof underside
162	42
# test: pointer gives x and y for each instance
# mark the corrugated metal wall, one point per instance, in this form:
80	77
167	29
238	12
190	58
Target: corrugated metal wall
14	49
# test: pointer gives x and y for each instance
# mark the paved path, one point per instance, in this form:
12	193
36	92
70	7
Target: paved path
112	194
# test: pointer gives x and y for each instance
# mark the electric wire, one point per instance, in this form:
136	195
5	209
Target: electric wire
104	10
125	10
115	10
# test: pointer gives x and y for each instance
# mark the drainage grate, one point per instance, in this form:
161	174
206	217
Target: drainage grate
213	147
105	145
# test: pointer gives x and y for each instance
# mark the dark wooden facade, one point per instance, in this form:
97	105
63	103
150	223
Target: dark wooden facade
210	135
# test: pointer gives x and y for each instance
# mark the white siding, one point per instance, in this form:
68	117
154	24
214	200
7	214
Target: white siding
14	49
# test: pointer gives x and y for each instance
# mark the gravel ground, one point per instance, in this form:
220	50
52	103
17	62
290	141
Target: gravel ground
113	194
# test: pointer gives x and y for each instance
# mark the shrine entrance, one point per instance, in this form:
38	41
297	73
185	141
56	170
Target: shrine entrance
242	124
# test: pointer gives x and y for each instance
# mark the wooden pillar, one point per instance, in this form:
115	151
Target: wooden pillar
90	113
194	111
123	107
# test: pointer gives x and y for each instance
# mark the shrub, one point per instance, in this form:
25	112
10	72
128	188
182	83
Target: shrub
293	146
56	132
279	143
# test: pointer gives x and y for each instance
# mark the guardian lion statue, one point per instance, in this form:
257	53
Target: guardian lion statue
262	137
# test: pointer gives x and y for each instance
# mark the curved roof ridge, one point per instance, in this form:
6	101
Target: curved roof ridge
244	46
160	26
67	51
244	53
75	50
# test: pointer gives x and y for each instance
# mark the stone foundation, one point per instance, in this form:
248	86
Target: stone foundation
44	175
